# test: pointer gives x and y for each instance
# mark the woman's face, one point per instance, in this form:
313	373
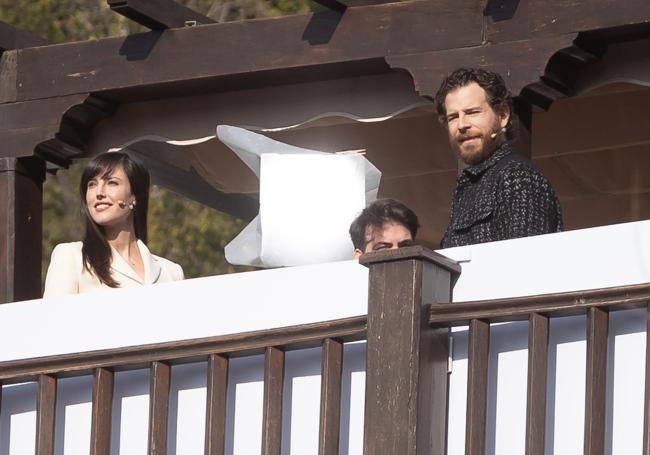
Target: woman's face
108	198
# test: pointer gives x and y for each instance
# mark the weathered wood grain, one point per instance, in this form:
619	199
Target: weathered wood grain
406	361
596	379
330	397
100	434
477	381
21	203
272	412
560	304
215	422
45	414
295	42
137	357
536	392
160	382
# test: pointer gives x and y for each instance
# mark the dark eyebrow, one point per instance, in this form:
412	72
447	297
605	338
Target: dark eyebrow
408	242
381	244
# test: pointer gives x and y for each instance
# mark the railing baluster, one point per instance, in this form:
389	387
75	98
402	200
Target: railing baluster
477	372
537	374
160	382
646	406
596	375
100	434
215	421
330	397
273	384
45	413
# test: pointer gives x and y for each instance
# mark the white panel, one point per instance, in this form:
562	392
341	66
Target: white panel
626	382
457	393
73	416
187	401
130	424
507	388
249	301
565	411
18	419
353	387
294	230
567	261
301	402
245	400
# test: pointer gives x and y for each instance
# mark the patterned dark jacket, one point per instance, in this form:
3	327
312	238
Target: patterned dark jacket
504	197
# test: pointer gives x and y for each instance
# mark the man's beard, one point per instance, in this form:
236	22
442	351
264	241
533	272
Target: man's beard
475	156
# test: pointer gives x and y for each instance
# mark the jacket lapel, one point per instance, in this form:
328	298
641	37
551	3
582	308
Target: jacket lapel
152	269
121	267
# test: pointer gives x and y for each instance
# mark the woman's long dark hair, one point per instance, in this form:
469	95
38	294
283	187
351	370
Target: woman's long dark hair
96	251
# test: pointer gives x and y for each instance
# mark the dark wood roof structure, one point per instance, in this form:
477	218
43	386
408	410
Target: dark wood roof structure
572	65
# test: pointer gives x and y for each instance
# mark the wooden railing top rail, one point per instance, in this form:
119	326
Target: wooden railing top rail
520	308
186	351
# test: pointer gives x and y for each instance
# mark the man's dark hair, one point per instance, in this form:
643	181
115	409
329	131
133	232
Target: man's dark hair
496	92
377	214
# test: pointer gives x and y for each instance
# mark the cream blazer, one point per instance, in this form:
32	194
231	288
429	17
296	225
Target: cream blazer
67	275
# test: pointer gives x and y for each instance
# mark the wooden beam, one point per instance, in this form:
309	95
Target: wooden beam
521	63
515	20
158	14
14	38
25	125
293	42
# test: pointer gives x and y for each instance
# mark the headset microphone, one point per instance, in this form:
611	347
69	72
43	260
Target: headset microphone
121	204
495	133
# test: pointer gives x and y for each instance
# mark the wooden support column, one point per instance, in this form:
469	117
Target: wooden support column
406	360
21	229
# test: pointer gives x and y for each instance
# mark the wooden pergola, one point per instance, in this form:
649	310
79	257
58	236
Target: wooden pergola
52	97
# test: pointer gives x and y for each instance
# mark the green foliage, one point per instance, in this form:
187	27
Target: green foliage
62	219
190	233
61	21
64	20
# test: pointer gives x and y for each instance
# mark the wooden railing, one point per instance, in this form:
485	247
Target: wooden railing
406	365
216	351
596	304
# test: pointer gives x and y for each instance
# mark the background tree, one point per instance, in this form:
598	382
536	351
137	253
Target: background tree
179	229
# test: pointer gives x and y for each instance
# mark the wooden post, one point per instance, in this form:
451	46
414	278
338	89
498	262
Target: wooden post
406	360
21	228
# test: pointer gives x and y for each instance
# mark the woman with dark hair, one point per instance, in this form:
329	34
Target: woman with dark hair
114	192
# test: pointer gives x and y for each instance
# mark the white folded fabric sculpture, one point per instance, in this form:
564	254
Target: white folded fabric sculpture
307	201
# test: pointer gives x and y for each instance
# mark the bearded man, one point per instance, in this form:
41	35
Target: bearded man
499	195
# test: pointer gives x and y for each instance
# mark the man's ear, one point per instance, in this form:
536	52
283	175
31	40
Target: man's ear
504	117
357	253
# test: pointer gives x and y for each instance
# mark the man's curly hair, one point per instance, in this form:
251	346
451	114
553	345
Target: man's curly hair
496	92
